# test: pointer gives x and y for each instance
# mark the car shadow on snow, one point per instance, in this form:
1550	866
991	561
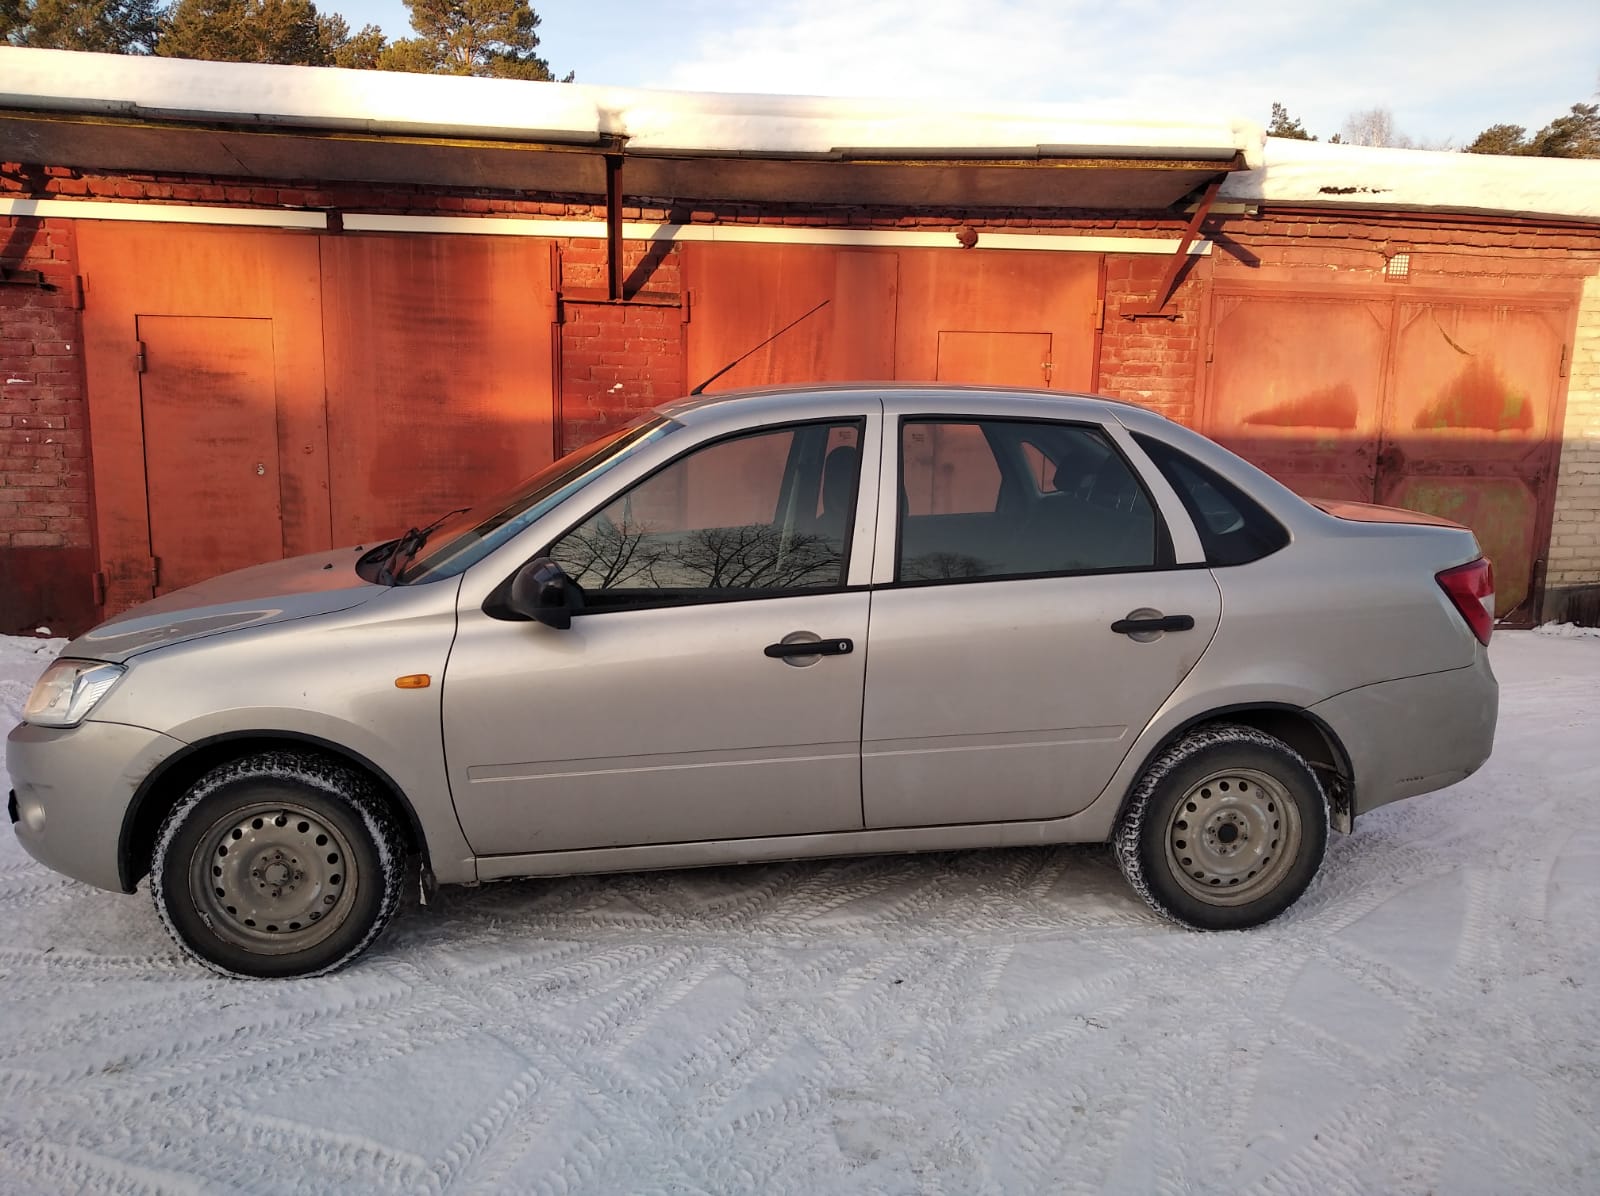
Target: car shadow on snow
1032	890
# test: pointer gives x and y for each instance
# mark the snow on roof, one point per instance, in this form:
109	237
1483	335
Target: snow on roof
659	121
1278	170
1316	173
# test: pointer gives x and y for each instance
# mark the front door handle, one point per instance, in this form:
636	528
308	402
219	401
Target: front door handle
1161	623
834	647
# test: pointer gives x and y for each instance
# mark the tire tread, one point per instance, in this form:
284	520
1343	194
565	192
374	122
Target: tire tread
329	779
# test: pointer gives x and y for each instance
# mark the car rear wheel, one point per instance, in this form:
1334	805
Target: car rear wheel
1225	830
279	864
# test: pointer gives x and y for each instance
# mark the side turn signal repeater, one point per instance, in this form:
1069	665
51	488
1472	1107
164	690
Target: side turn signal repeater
413	681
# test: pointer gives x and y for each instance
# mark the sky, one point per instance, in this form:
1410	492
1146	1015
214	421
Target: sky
1446	69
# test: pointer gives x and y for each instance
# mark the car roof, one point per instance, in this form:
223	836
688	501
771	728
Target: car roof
775	400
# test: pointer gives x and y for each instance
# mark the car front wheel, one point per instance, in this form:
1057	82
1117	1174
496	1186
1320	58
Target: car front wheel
279	864
1225	830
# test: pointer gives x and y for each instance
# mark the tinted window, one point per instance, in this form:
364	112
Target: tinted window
1234	528
465	538
1002	498
762	513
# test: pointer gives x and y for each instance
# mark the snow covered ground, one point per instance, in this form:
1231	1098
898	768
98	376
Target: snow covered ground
1426	1020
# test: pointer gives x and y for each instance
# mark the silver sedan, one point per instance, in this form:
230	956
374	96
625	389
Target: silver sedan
767	625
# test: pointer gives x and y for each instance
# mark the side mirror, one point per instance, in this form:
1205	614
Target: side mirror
541	590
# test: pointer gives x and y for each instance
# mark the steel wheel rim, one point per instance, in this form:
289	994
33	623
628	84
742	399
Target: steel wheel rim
273	878
1233	837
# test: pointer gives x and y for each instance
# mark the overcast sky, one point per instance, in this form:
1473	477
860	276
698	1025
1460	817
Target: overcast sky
1447	69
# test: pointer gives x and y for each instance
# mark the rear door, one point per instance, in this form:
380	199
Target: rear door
997	688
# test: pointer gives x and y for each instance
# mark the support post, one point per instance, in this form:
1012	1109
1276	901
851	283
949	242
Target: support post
1169	277
614	227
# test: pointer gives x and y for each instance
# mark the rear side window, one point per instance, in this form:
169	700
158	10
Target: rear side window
1234	528
1019	498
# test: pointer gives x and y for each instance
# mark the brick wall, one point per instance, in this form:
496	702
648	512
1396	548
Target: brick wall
1152	360
1573	573
44	473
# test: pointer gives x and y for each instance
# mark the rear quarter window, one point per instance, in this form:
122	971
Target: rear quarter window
1234	529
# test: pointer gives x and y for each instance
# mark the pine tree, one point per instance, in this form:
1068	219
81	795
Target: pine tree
470	37
103	26
1575	135
1500	139
1283	125
285	32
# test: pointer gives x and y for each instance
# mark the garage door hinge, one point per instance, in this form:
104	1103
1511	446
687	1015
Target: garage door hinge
155	572
80	287
1100	315
138	358
99	582
1562	373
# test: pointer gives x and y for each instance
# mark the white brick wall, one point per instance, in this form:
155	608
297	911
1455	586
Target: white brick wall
1575	536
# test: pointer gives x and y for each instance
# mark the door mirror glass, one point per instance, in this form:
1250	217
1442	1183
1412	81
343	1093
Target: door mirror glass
540	590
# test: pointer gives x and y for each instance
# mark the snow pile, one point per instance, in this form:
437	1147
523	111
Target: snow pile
1316	173
382	101
21	662
1425	1020
1567	631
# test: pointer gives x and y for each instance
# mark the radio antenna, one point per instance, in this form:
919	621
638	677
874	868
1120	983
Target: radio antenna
762	345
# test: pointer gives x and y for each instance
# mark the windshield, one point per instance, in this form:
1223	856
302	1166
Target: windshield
464	539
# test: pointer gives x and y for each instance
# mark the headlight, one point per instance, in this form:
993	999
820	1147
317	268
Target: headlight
67	692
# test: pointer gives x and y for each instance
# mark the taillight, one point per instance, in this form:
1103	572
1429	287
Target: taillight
1471	588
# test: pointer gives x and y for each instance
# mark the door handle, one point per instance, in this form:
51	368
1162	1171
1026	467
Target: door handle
1163	623
836	647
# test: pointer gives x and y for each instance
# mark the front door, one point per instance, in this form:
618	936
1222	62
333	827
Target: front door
678	707
997	689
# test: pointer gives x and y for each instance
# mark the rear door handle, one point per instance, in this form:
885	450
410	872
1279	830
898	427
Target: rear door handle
837	647
1164	623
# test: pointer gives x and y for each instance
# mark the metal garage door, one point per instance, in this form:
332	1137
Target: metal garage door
261	393
996	316
1445	404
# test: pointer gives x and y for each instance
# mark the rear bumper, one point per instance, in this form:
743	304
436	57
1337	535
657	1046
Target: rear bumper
72	789
1416	734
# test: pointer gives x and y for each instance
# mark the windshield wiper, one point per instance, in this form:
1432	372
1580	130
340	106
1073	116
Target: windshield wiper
407	546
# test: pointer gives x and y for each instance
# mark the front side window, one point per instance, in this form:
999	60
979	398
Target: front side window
758	514
1008	498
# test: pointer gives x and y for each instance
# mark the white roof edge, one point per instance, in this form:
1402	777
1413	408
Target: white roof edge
1351	176
652	121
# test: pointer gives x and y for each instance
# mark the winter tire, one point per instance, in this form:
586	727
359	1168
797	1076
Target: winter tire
278	864
1224	830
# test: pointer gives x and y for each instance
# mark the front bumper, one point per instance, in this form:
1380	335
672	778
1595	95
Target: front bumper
72	789
1415	734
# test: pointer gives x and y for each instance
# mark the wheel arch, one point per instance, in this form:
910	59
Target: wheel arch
1296	726
161	790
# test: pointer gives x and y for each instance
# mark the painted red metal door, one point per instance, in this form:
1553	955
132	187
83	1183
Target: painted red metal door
230	311
995	358
914	314
210	418
1296	386
741	294
1470	429
439	374
1445	404
999	292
